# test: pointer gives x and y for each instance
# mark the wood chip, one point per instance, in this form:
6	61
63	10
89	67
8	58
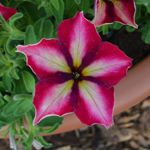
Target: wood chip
64	148
134	144
142	141
146	104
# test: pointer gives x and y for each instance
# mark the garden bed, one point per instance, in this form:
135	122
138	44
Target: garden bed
132	127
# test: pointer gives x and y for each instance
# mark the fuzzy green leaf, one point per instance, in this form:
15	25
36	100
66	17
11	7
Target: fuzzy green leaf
78	2
10	107
16	36
130	28
19	86
85	5
58	13
142	1
50	121
105	29
147	38
7	82
30	37
24	107
55	3
29	81
46	29
43	142
50	130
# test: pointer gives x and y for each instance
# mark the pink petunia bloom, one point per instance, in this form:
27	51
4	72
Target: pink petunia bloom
108	11
7	12
77	73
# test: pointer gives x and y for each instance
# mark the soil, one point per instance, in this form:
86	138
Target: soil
131	129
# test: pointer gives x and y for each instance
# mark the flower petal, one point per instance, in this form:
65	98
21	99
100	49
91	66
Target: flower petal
52	96
7	12
79	36
45	58
108	11
109	64
95	103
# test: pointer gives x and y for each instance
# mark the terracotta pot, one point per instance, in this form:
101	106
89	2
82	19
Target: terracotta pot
131	90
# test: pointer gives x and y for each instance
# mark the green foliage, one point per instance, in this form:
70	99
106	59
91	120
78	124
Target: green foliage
29	81
141	1
58	13
78	2
46	29
30	37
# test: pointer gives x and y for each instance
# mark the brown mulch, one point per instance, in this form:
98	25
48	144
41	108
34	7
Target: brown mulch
131	131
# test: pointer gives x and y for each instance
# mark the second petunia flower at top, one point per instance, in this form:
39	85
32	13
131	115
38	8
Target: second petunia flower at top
7	12
77	73
109	11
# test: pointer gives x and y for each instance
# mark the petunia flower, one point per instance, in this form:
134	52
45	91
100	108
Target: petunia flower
77	73
108	11
7	12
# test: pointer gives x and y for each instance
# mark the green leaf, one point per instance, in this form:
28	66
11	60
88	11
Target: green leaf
14	73
3	59
116	25
130	28
50	121
22	97
2	87
138	11
9	119
19	86
55	4
2	103
32	1
7	98
10	107
43	142
78	2
148	8
30	138
7	83
147	38
16	36
3	39
37	26
4	2
50	130
5	25
2	136
14	18
30	37
5	68
2	124
68	5
85	5
29	81
142	1
145	30
32	11
105	29
46	29
24	107
58	13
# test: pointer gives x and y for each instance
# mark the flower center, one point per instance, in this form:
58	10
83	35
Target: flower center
76	75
